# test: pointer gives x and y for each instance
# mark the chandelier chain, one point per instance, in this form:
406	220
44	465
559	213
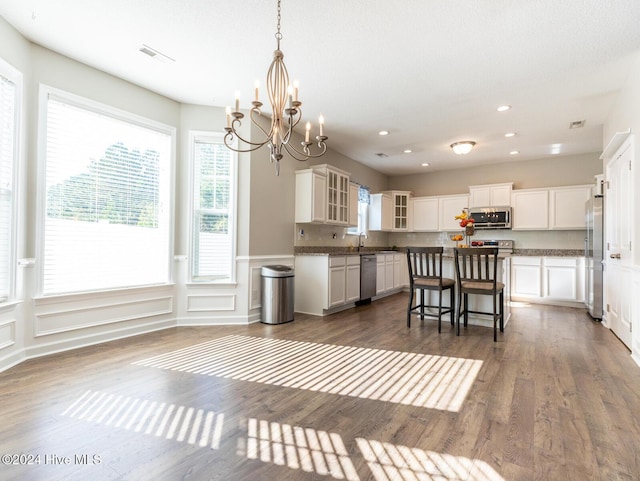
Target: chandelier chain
278	34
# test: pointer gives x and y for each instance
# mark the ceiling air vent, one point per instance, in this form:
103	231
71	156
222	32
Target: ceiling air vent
382	155
577	124
155	54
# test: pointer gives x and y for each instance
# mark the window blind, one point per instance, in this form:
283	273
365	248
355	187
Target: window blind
8	138
107	200
213	209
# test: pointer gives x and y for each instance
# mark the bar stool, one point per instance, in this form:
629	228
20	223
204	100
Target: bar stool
425	274
476	273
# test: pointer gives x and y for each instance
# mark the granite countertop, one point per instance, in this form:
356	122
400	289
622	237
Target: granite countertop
346	250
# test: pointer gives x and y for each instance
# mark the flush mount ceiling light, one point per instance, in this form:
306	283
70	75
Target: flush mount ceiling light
286	114
463	147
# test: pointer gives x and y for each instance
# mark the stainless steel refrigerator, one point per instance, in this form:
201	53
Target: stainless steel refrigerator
594	252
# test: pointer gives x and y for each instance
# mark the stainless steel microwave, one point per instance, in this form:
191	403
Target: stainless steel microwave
491	217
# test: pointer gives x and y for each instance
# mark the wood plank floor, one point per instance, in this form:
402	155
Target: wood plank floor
556	398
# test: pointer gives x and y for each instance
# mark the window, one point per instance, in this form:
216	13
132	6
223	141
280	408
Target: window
10	84
106	212
213	168
363	212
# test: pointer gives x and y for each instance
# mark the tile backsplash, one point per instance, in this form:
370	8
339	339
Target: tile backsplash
323	235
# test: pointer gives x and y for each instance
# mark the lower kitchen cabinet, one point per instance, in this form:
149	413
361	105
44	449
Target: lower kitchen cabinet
325	284
392	272
548	280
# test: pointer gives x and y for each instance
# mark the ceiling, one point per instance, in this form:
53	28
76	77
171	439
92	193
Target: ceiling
430	72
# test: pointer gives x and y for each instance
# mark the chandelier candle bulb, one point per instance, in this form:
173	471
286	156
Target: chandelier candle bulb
295	90
306	135
257	86
228	112
237	101
321	121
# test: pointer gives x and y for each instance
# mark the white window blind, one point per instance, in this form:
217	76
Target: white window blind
107	199
213	202
8	140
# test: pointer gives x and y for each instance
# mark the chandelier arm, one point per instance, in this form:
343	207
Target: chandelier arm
305	151
229	138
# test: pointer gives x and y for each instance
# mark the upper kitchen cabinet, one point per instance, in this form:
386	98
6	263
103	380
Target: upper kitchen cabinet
390	211
425	214
322	195
449	206
311	196
530	209
381	211
337	196
490	195
567	207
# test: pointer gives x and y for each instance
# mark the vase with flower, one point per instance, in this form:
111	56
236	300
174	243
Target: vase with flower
467	222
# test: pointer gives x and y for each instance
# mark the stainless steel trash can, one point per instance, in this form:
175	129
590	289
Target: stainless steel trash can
277	294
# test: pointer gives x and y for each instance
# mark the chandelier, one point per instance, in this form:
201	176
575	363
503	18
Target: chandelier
286	114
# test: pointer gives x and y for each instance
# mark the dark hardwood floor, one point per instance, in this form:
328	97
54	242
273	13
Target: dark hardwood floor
354	396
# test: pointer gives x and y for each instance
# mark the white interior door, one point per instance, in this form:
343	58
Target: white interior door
618	261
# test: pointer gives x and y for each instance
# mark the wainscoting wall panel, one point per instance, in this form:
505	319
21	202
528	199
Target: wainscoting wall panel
211	302
7	333
64	320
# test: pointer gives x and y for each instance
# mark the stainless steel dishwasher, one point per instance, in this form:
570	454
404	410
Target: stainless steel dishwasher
368	271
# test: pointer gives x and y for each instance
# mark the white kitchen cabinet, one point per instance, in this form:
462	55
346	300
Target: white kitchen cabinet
337	196
449	206
322	195
424	214
390	211
381	274
325	284
490	195
530	209
381	212
526	277
354	195
401	212
352	278
311	196
388	272
391	272
564	278
548	280
567	207
337	281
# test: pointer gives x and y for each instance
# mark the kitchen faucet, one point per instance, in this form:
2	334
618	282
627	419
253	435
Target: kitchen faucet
361	240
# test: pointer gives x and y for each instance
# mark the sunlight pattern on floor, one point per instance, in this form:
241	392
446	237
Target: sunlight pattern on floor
390	462
179	423
298	448
437	382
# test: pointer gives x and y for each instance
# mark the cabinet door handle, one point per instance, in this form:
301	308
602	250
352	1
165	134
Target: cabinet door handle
615	256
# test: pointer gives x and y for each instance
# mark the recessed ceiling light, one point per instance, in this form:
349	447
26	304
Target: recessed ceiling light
383	132
510	134
425	164
514	152
504	108
407	151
